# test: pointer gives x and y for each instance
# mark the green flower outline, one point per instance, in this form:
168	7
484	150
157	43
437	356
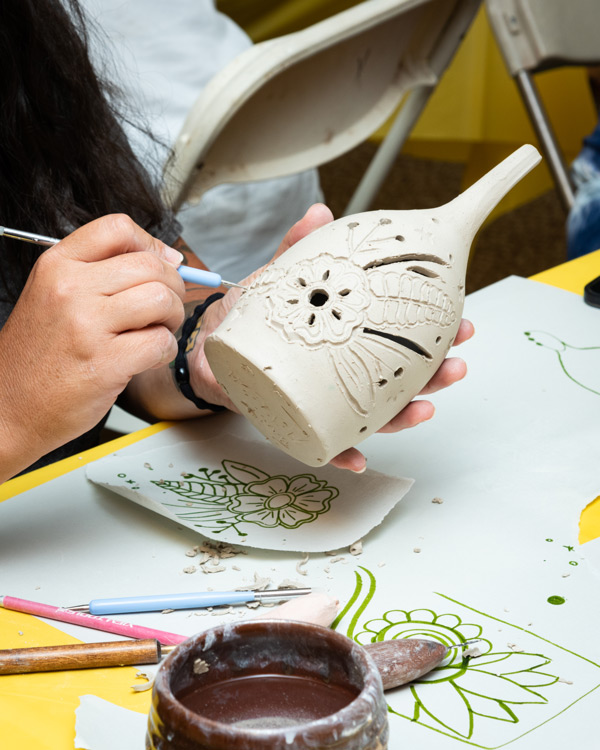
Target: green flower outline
283	501
239	493
462	692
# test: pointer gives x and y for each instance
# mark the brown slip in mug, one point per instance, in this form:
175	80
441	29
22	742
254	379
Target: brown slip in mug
268	685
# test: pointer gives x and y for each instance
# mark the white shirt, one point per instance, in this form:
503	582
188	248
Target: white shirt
161	55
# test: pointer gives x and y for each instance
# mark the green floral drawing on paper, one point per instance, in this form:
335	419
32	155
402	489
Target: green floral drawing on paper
581	364
241	494
467	698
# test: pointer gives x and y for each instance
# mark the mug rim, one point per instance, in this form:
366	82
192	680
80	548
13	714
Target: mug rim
371	691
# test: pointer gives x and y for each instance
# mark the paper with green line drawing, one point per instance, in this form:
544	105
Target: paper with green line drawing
249	493
580	364
488	700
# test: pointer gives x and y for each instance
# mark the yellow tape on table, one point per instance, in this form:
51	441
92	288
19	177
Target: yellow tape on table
38	710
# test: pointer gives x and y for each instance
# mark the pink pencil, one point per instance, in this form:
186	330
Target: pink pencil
89	621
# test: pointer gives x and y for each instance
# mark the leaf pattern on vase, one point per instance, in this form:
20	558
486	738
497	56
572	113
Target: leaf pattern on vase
242	494
363	308
463	692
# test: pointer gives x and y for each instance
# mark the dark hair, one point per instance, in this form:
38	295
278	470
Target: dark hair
64	159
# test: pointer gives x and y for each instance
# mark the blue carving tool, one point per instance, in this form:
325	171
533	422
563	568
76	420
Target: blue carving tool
196	600
187	273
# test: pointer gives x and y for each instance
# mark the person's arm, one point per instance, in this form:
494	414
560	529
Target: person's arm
99	307
153	394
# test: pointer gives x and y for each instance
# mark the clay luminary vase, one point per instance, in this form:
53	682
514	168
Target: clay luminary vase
345	328
268	685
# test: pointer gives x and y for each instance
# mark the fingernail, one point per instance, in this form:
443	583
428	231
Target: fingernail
173	256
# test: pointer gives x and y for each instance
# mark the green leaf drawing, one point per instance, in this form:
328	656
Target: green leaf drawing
244	473
244	494
579	363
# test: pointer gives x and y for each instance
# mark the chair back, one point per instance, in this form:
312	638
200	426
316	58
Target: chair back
298	101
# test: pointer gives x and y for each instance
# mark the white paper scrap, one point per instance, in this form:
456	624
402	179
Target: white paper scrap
240	491
101	725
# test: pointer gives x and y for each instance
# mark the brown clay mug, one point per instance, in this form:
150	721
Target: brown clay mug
268	685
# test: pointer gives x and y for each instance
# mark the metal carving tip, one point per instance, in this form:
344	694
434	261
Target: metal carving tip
234	285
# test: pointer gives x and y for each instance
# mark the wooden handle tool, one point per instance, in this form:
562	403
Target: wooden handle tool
401	661
80	656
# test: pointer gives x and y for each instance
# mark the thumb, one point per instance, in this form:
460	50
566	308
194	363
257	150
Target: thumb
317	216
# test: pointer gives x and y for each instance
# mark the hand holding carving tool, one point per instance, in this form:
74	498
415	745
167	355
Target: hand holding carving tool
187	273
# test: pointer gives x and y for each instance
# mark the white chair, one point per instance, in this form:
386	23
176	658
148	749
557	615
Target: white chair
538	35
300	100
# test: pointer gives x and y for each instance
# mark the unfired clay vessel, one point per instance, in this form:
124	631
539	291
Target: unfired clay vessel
345	328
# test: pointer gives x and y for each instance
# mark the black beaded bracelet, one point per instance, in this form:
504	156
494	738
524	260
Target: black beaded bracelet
182	373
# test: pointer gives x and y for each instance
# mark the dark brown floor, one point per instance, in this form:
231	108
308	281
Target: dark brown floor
522	242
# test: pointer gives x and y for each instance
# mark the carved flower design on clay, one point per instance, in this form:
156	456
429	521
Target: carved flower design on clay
283	501
322	300
366	309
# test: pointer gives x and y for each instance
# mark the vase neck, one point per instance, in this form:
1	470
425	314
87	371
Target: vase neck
471	208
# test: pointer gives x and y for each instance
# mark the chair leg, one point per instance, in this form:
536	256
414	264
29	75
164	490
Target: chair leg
387	152
546	137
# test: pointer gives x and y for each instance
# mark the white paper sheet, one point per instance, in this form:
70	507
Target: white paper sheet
244	492
100	725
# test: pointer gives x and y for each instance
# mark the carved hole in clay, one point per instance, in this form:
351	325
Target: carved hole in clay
336	314
400	238
318	298
325	275
424	272
311	320
301	281
412	345
381	383
408	258
344	292
438	339
398	372
293	301
450	257
435	221
363	429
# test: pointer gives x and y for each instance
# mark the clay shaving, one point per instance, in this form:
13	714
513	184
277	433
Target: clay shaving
200	666
210	555
301	564
141	687
288	583
356	548
437	500
260	584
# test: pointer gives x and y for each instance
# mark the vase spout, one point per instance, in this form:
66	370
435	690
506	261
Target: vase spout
471	208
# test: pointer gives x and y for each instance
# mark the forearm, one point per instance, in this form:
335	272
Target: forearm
17	452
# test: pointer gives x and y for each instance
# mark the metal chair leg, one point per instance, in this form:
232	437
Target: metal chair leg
546	137
387	152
